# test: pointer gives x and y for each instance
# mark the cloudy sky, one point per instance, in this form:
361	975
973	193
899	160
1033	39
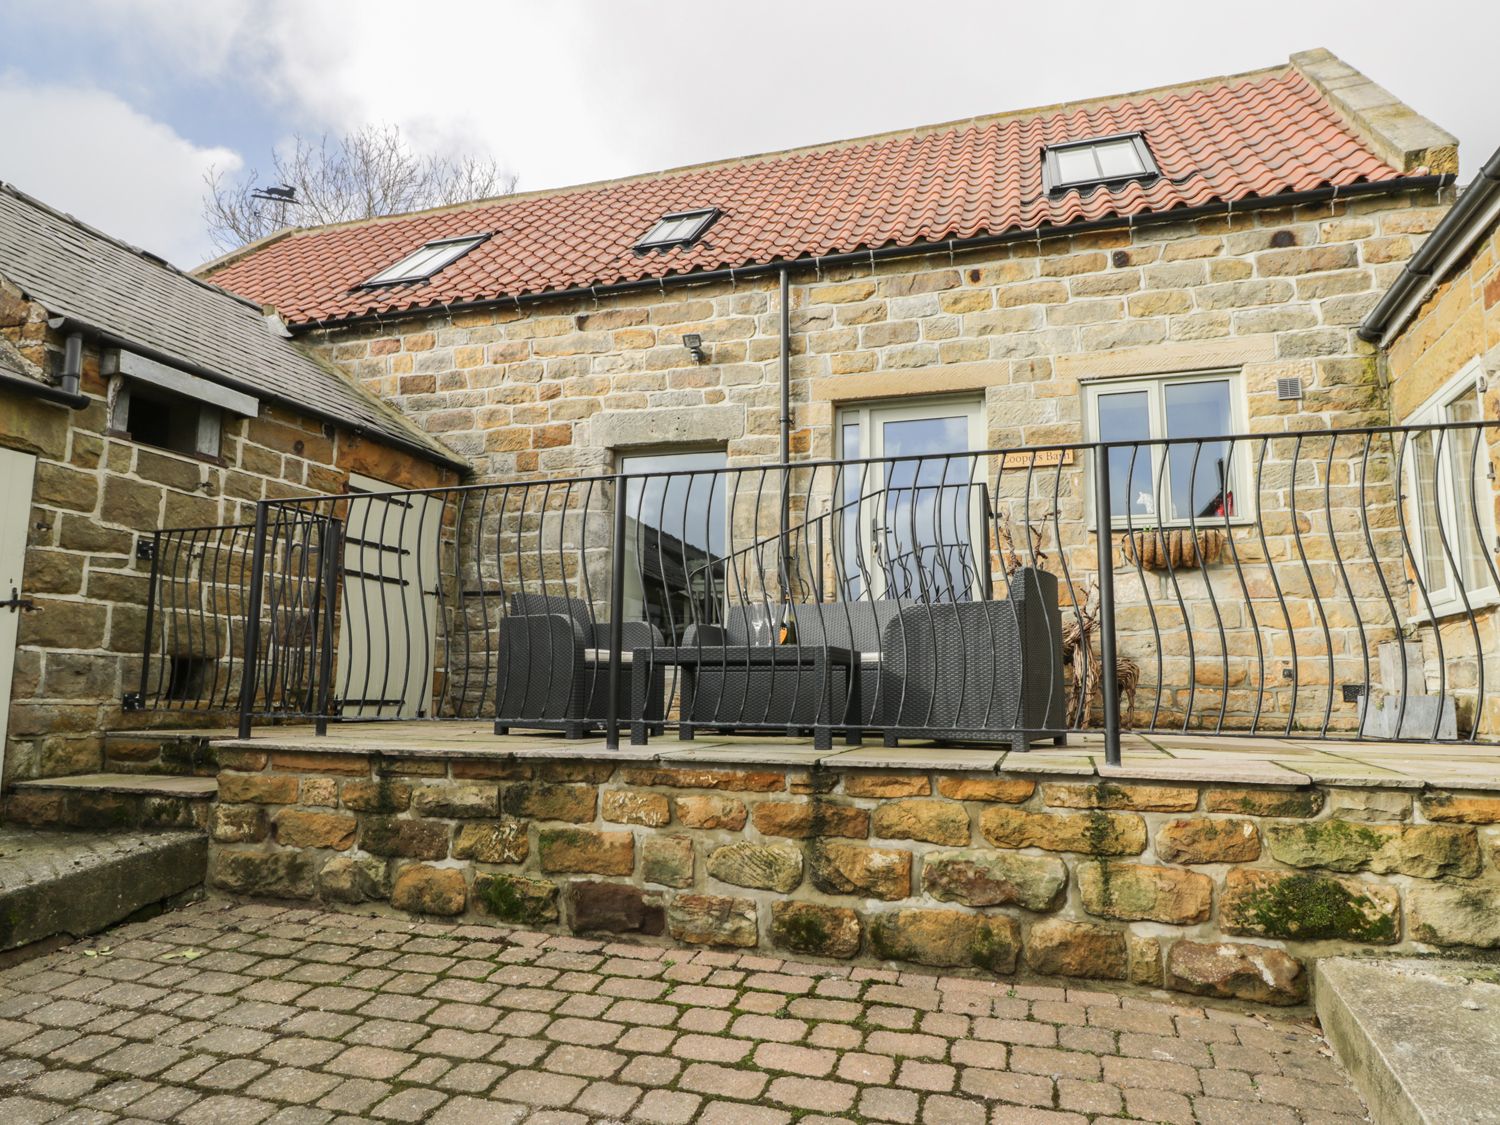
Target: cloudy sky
114	109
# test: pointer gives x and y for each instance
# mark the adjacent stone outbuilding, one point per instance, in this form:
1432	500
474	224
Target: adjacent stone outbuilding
136	398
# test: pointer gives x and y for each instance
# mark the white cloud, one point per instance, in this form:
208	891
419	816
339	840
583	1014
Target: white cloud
86	152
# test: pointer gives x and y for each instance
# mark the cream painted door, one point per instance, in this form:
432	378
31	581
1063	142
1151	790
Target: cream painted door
388	623
17	471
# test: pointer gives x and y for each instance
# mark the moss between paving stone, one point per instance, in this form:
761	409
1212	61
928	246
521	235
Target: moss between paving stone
1306	907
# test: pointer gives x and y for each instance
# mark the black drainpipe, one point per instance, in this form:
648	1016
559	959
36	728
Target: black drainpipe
786	367
786	428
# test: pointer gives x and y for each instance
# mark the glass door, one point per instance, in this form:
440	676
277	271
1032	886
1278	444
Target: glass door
910	523
674	553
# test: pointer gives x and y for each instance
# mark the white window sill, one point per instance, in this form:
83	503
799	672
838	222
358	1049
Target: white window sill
1451	608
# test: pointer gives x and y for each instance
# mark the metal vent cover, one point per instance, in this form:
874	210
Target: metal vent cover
1289	388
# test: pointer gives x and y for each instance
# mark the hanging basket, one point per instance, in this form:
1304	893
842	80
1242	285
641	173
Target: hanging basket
1172	549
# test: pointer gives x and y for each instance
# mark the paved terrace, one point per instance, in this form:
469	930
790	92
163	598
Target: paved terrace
224	1014
1158	757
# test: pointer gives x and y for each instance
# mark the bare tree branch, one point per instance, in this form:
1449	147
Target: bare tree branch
370	171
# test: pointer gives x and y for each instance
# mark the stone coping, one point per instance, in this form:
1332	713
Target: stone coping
1182	758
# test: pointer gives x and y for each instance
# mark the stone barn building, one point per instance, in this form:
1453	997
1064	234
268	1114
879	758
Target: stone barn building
1207	361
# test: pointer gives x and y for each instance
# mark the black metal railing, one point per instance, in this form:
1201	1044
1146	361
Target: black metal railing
196	600
1320	584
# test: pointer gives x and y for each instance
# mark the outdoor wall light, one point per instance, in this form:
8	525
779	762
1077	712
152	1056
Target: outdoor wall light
694	344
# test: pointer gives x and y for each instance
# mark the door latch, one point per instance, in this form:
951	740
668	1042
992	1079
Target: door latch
15	603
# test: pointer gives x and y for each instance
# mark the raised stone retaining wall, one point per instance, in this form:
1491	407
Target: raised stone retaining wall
1201	887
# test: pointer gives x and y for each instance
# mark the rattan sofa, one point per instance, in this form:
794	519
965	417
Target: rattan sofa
554	667
984	671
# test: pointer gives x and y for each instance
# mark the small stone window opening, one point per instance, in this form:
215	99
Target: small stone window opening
426	260
154	416
681	228
187	678
1097	161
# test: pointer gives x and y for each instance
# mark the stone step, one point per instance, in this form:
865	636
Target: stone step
56	886
178	752
113	802
1420	1036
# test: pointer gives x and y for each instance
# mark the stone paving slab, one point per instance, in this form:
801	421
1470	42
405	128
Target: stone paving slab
141	784
1186	757
222	1013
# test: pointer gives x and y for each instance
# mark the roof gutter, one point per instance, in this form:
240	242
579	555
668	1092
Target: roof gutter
906	250
1476	209
76	328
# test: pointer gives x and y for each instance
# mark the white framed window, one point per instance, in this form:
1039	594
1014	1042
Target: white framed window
681	228
910	526
1098	160
427	260
1191	480
1450	507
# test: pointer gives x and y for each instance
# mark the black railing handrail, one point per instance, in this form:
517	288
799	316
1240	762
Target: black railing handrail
778	468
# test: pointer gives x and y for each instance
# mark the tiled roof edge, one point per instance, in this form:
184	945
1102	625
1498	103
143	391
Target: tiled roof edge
200	272
1397	133
976	120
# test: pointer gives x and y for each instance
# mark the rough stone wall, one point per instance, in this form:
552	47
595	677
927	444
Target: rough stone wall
1458	323
95	494
559	389
1160	884
562	390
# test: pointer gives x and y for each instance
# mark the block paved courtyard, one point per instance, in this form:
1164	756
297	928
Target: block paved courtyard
225	1014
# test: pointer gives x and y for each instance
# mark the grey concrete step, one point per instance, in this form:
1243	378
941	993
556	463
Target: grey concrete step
112	802
1420	1037
62	885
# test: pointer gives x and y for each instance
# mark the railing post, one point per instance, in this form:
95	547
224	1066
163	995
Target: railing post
252	620
1104	535
150	615
616	615
328	580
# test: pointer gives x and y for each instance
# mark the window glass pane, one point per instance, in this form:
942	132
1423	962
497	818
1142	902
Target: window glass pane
1465	463
666	230
1425	510
426	261
1126	416
1118	158
855	481
675	528
925	545
1075	165
1198	471
420	263
443	255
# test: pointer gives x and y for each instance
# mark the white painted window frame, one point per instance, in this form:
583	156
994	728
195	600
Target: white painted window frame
1446	599
869	417
1155	388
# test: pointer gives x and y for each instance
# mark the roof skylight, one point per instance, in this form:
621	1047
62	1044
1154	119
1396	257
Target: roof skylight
681	228
1100	160
427	260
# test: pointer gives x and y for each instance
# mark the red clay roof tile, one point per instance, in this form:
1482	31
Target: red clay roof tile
1240	138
